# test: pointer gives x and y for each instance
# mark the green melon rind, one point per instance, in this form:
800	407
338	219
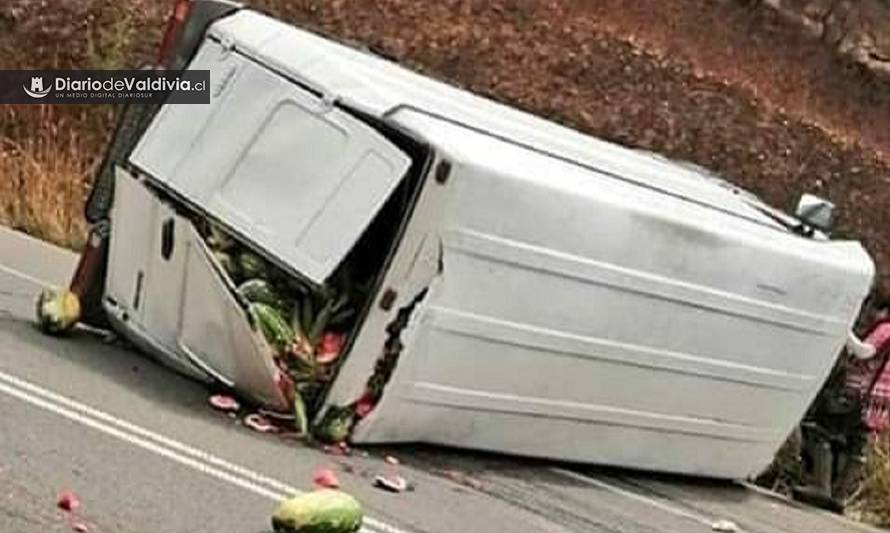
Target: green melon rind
274	327
322	511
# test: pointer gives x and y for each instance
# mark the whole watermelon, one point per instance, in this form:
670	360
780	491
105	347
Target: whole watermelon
322	511
259	291
58	310
252	266
275	328
335	425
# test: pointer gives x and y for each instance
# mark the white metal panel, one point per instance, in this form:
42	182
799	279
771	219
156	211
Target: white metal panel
163	157
383	87
187	315
298	177
136	264
134	255
133	216
165	277
216	334
414	268
582	318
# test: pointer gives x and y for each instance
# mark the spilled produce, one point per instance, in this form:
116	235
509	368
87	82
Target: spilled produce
321	511
57	311
306	327
221	306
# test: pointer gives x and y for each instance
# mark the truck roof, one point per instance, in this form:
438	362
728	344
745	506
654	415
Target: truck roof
382	88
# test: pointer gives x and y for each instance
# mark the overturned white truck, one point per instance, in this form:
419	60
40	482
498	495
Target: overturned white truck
551	294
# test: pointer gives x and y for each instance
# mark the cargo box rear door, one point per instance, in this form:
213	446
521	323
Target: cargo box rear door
287	170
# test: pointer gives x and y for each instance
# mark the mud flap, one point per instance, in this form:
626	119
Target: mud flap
88	282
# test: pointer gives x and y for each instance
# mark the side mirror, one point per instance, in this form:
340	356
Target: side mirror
815	212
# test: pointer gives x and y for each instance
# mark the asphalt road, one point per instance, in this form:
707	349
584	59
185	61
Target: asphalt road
144	453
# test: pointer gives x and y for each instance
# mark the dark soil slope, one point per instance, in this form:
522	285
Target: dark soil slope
723	84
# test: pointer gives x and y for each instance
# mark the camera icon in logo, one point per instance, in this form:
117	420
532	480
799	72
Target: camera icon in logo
37	90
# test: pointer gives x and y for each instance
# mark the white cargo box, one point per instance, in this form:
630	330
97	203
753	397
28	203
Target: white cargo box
569	298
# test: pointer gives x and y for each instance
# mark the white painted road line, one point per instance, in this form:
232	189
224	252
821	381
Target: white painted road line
614	489
25	277
137	441
161	440
199	460
151	441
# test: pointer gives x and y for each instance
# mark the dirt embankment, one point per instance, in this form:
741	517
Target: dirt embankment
729	85
858	30
48	153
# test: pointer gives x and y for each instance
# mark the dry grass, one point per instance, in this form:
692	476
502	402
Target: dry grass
45	178
48	153
872	503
